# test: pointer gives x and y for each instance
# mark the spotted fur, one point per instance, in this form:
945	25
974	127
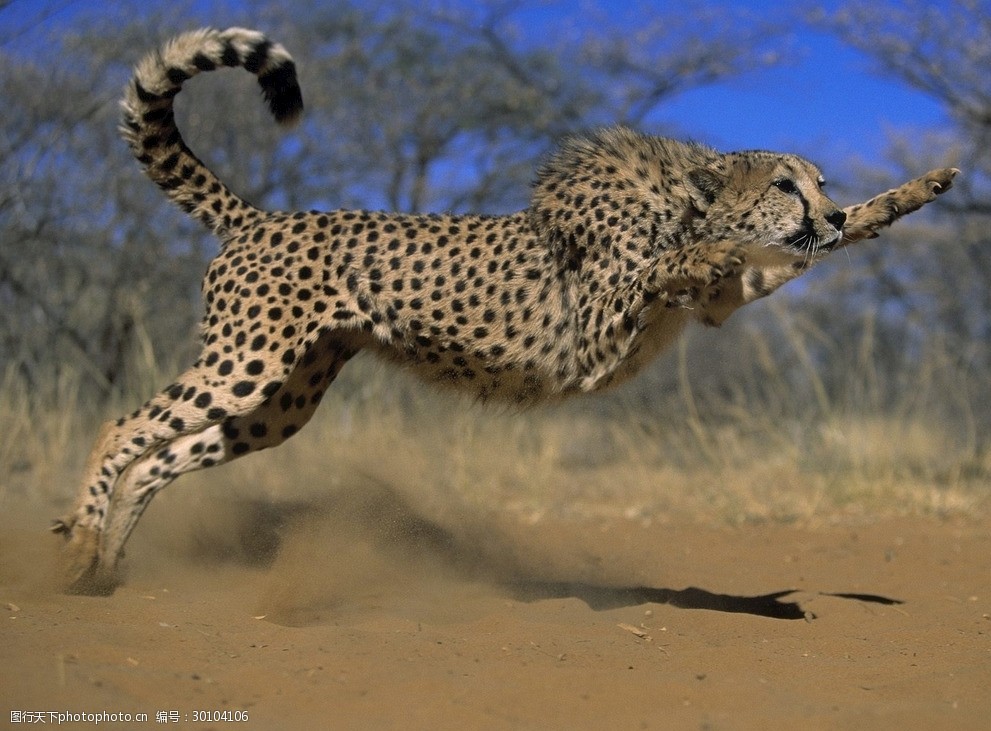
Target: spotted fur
628	238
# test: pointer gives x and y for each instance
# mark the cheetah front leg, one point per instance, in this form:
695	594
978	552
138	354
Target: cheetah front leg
865	219
613	345
682	275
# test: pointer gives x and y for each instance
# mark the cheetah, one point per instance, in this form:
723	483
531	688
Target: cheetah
627	239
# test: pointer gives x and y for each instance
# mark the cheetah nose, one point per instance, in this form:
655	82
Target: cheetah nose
837	218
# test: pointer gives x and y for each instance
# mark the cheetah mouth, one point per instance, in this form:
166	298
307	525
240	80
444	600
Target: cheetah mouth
807	242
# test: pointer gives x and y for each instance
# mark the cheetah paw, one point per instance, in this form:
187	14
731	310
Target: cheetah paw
864	219
727	264
79	570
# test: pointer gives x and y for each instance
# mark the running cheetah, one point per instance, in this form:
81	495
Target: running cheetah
627	239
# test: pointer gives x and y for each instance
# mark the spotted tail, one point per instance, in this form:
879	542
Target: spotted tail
149	125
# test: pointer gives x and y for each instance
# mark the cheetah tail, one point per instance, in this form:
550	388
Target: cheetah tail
149	126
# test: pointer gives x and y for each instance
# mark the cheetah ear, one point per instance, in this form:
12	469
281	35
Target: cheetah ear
704	186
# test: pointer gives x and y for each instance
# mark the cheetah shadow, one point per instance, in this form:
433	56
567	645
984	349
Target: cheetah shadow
600	598
479	553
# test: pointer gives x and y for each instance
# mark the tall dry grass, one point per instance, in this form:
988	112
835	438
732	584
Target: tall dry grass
768	420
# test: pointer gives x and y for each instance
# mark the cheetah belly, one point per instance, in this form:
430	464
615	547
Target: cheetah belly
485	378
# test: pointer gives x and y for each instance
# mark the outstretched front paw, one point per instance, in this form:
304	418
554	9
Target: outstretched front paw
864	219
939	181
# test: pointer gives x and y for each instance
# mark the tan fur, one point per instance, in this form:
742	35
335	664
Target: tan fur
627	239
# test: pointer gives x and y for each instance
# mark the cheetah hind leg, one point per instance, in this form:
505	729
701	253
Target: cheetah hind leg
865	219
89	561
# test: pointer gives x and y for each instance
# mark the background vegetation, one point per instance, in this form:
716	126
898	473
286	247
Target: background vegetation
861	389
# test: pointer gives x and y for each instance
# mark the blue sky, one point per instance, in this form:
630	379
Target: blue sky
826	101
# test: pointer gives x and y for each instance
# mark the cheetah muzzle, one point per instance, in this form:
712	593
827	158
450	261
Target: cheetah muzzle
627	239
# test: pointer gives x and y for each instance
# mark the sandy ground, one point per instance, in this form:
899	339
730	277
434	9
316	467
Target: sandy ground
362	614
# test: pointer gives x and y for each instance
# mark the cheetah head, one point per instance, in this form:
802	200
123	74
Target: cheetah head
771	203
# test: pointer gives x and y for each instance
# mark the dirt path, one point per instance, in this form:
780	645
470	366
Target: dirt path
401	624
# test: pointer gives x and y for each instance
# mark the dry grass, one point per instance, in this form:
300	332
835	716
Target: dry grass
670	447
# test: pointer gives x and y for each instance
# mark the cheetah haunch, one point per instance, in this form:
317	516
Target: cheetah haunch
627	239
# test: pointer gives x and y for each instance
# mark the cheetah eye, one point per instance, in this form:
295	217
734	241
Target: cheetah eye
821	182
785	185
